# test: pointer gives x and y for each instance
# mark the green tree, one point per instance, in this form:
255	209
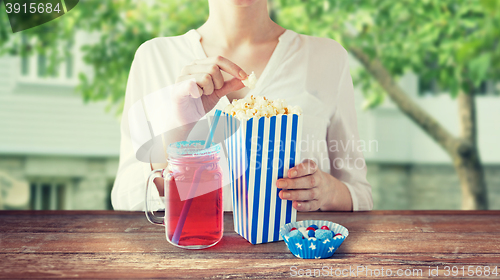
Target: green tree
455	43
120	27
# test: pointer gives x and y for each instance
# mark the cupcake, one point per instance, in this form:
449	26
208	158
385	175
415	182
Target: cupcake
313	239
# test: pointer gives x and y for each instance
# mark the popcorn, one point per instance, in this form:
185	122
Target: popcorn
250	81
295	110
259	106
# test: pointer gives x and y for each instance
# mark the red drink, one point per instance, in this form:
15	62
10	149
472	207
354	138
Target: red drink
194	187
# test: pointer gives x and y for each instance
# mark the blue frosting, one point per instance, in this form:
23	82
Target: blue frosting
192	148
294	234
324	234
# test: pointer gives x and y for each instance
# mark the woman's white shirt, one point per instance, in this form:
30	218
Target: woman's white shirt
310	72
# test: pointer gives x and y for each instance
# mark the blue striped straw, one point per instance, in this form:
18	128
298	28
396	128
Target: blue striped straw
215	121
196	180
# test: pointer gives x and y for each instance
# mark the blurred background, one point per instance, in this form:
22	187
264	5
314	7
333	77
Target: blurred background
427	77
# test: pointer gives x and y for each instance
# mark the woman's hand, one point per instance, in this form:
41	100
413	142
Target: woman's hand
203	78
209	80
311	189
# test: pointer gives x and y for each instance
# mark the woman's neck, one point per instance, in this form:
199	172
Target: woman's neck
229	25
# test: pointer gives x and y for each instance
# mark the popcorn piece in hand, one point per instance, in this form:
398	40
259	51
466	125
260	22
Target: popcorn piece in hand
259	106
250	81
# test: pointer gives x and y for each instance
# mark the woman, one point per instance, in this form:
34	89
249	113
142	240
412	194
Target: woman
238	37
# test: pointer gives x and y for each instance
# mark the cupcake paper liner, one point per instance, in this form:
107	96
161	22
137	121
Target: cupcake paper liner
314	248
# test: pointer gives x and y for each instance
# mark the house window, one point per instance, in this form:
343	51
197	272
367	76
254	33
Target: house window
69	61
25	62
428	87
46	195
42	65
35	67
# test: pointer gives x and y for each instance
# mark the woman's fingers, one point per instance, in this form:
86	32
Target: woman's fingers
311	205
208	76
211	69
225	64
232	85
307	194
303	186
187	86
203	81
308	166
306	182
210	101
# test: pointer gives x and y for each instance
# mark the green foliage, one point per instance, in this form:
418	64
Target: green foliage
119	28
455	42
124	26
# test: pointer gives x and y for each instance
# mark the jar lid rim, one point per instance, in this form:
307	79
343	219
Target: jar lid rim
192	148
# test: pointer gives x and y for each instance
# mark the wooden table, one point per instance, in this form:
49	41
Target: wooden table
108	244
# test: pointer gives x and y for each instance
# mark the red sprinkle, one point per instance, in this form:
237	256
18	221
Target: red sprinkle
338	234
310	228
294	228
325	227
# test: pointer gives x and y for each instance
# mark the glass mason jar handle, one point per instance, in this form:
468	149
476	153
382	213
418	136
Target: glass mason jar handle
157	173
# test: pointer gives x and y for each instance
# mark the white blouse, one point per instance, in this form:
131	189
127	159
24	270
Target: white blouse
310	72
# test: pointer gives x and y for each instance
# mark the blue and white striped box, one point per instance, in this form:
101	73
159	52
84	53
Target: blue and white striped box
261	151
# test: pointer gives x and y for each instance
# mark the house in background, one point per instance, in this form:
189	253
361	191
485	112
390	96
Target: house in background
67	151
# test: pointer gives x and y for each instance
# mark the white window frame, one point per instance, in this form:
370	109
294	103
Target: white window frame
32	78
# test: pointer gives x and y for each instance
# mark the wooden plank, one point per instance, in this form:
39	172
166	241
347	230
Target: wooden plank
314	215
231	242
113	244
251	266
115	221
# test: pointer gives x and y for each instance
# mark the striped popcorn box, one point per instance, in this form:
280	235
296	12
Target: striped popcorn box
261	151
